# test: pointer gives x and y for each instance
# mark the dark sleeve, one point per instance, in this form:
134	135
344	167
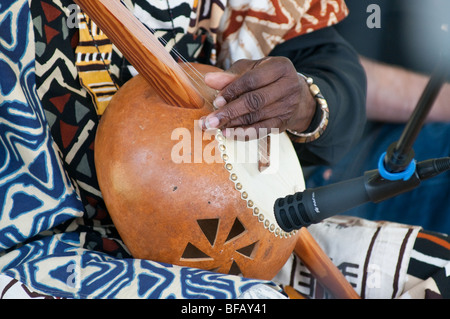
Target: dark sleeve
333	64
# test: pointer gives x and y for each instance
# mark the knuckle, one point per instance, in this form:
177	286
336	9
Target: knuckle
292	90
285	65
284	61
248	83
229	114
254	101
231	92
250	118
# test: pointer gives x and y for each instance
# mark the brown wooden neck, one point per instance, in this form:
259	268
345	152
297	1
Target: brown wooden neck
144	51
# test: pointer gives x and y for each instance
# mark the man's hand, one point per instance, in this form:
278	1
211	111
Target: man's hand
266	93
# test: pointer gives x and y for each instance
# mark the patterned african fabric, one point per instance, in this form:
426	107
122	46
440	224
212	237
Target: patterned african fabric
198	32
72	118
380	260
56	237
11	288
251	29
428	274
94	52
55	230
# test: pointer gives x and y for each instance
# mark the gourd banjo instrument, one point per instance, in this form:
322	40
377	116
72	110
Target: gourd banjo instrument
212	210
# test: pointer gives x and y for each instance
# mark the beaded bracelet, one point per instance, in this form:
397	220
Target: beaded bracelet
322	103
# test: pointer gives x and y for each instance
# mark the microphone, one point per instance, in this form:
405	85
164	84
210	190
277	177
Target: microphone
397	171
314	205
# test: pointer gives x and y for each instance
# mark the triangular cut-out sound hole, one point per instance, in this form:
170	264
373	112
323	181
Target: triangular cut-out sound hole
192	252
209	227
236	230
247	251
234	269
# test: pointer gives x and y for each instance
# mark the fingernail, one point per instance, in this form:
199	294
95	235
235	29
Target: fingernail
211	122
219	102
206	76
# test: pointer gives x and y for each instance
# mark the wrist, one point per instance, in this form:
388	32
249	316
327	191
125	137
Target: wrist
320	117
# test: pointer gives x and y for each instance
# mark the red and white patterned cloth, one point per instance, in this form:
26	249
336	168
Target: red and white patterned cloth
251	29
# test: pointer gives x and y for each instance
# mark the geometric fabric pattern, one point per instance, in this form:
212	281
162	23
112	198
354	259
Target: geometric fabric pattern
55	233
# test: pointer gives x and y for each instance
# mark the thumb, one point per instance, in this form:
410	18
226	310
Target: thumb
219	80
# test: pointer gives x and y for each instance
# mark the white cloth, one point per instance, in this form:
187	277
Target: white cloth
373	256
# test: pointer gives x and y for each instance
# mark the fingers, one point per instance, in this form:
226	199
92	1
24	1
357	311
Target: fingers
219	80
253	75
252	102
274	100
232	82
257	106
271	111
255	95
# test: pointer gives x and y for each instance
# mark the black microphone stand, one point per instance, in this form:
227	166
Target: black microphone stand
397	171
400	154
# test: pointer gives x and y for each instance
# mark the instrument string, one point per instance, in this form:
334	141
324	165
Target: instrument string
195	76
197	79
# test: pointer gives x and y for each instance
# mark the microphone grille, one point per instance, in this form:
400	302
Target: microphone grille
290	212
